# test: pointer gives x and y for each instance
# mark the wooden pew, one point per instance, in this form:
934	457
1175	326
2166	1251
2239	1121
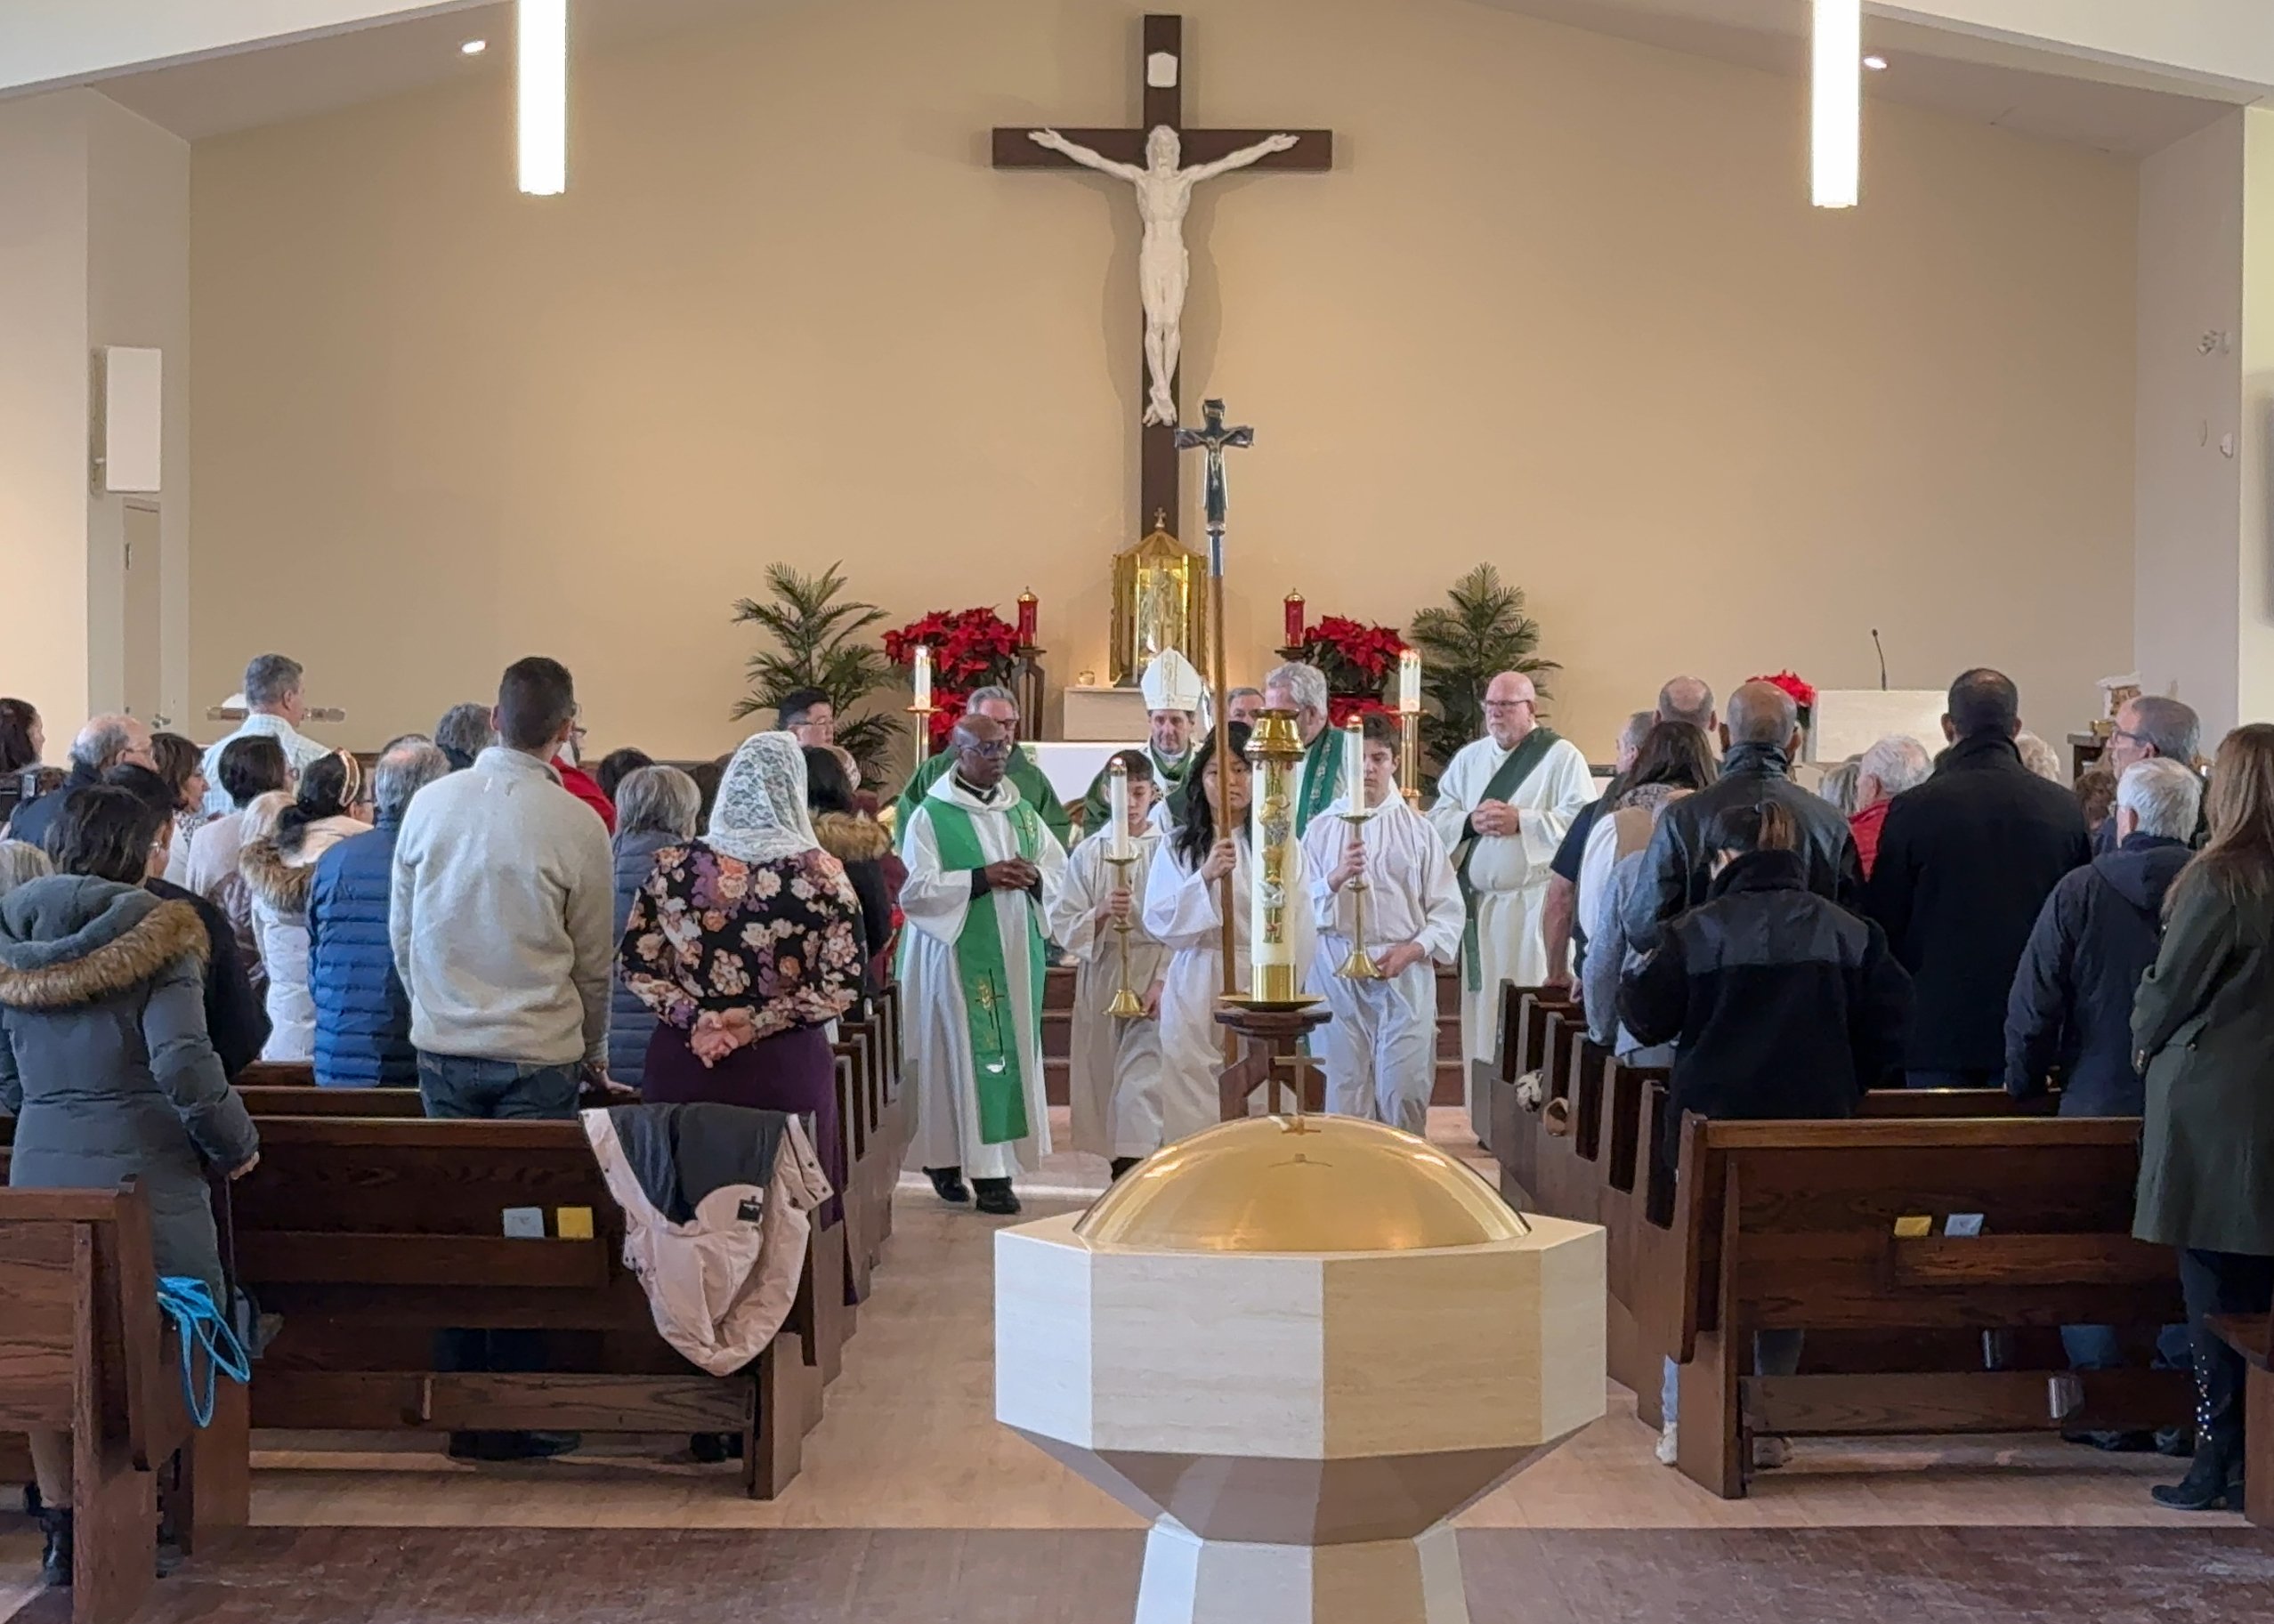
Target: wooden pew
84	1349
1521	1049
1791	1225
2251	1335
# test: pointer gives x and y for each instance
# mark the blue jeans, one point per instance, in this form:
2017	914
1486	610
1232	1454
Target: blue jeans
500	1090
2095	1347
1775	1352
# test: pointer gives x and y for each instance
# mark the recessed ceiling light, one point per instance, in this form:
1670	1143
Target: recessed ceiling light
1877	64
473	47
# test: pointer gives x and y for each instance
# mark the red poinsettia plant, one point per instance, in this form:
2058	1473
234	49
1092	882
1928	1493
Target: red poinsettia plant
1802	693
1356	659
971	648
1341	706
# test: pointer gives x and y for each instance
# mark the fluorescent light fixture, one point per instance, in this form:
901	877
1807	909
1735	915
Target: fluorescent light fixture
473	47
1836	111
543	111
1877	64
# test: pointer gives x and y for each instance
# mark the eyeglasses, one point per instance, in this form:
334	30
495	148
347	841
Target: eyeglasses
999	748
1506	704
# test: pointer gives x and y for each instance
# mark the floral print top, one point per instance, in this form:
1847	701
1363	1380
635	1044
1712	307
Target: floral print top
708	932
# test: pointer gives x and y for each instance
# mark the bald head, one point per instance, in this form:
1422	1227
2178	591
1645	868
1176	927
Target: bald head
1762	714
1687	699
1510	708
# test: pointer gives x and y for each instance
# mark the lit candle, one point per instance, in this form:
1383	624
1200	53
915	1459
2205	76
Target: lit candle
1409	682
1028	608
1294	619
923	677
1117	805
1354	764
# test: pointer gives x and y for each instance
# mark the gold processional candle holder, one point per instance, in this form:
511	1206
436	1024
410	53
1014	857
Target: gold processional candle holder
1121	852
1358	965
1275	980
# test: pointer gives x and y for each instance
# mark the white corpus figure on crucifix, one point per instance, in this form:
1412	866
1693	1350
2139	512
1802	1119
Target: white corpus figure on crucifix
1164	269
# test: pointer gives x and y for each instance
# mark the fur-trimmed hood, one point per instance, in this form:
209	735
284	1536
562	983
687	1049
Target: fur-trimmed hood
71	939
283	886
851	838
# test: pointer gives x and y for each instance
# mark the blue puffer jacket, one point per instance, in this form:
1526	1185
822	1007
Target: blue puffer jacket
362	1014
630	1022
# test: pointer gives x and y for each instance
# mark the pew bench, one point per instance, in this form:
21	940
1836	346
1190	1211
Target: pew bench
2251	1335
84	1349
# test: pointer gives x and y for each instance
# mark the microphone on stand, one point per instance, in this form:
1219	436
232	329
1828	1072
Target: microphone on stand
1882	659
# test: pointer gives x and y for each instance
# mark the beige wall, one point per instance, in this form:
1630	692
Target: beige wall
1562	306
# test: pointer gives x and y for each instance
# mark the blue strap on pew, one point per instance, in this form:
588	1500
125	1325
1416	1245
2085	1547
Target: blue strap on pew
198	1323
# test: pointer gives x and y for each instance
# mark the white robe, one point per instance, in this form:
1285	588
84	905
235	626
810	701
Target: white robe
1180	910
1510	873
1114	1077
935	1031
1381	1047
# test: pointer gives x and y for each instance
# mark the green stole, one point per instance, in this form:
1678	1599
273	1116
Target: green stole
988	1010
1506	783
1322	777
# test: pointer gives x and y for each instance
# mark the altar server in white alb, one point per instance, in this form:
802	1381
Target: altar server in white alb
980	863
1115	1070
1381	1045
1503	807
1180	911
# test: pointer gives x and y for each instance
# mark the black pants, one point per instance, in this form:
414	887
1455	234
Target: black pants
2217	1284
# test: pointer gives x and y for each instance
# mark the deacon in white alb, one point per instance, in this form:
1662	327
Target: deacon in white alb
979	864
1180	910
1503	807
1381	1047
1115	1072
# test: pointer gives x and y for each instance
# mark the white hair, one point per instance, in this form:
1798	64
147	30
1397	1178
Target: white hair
2163	794
2041	758
1307	684
994	691
1898	762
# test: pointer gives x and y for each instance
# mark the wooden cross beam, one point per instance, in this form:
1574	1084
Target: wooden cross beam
1162	85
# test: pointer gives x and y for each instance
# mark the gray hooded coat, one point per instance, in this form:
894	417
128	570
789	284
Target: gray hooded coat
104	1059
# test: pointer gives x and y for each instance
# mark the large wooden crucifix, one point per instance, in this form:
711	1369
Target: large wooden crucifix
1164	160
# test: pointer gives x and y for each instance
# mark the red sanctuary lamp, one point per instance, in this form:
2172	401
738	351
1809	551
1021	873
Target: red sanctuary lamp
1029	615
1294	627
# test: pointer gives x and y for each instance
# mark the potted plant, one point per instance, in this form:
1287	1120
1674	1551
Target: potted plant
819	645
971	649
1480	631
1357	659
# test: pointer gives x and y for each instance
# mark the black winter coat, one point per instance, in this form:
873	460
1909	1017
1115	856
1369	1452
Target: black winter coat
1966	861
2070	1009
32	818
1677	868
237	1020
1779	1003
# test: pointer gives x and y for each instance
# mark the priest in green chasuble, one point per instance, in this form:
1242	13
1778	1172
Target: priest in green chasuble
1302	688
1503	807
1173	691
1024	773
981	865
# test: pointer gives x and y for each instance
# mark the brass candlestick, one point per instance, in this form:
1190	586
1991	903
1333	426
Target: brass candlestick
1359	966
1126	1004
1409	761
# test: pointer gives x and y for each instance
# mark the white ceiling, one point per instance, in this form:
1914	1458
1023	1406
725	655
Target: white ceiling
2032	93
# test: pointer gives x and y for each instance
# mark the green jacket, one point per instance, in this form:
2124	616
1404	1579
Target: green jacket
2202	1033
1033	787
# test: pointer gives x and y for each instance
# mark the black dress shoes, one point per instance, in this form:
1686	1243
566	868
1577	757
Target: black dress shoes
55	1554
1122	1164
996	1197
2214	1483
947	1183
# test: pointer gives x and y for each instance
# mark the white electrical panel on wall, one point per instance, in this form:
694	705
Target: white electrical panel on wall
133	406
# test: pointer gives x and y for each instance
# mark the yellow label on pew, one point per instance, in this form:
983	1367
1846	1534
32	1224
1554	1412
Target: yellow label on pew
572	1223
1913	1228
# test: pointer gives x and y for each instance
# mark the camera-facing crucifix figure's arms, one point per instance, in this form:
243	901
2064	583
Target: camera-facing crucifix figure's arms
1083	155
1240	159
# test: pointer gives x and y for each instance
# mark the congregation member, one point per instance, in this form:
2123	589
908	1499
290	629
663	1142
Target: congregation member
1758	740
1561	939
2096	799
744	944
981	862
614	768
2041	758
1966	861
1503	806
1173	694
706	775
2203	1029
859	843
2150	727
566	766
809	715
2070	1008
102	744
1302	689
23	736
106	1065
999	706
362	1014
1690	699
1892	765
1114	1071
1381	1046
463	732
1181	911
1673	761
250	768
1243	706
656	808
275	705
19	863
1779	1003
236	1020
178	762
280	872
500	923
234	897
1838	785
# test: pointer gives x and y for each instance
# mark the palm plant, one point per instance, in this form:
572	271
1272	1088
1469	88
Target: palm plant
819	645
1478	632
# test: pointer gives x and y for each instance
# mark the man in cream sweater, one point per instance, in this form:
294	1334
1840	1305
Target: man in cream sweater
503	919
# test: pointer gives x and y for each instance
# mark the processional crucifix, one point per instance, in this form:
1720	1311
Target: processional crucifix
1163	161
